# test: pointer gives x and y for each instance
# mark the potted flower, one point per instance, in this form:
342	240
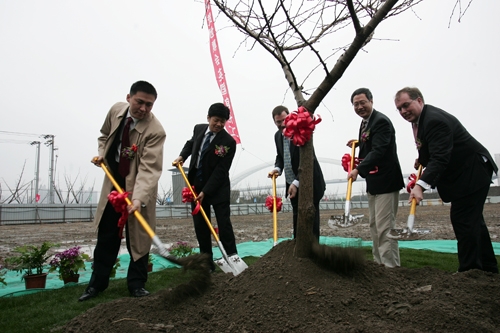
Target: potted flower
68	263
181	249
31	260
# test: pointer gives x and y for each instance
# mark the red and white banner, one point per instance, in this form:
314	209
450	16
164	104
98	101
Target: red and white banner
231	127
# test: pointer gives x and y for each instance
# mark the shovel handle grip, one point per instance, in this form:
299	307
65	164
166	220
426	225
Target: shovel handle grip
137	215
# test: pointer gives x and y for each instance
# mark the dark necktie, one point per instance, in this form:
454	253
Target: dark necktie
124	166
414	127
363	125
203	151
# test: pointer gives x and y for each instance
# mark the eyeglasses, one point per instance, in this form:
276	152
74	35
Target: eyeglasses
405	105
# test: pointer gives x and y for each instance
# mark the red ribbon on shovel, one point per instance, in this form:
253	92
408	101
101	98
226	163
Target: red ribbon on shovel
269	203
187	196
412	181
120	205
346	162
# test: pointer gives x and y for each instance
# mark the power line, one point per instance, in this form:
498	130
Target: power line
19	133
14	141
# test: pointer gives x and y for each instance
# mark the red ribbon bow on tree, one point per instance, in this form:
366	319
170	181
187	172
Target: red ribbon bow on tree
346	162
187	196
120	205
300	125
269	203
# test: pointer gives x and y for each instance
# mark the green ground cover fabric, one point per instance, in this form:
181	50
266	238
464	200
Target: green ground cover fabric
15	285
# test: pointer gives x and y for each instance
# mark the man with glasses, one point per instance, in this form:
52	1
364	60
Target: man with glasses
380	167
461	169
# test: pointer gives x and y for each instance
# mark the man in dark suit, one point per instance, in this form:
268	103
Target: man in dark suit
288	161
380	167
212	151
460	168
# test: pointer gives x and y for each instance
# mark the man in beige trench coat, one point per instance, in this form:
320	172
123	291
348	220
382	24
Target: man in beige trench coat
139	178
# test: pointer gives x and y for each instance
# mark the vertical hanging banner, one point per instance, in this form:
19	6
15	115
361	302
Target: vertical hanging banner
231	127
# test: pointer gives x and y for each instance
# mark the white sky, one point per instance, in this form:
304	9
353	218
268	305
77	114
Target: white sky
64	63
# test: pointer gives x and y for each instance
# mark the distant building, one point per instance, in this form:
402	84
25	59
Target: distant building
178	183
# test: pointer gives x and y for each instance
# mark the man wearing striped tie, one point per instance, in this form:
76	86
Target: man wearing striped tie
287	159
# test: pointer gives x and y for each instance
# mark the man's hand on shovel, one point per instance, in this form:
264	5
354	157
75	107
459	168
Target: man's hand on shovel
416	193
97	160
274	173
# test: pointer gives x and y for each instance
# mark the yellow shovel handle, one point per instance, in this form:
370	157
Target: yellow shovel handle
212	230
275	211
137	215
413	206
349	182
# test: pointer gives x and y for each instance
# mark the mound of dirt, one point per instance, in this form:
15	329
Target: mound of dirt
281	293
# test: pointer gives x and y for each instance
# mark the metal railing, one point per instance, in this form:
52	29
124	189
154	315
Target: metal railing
65	213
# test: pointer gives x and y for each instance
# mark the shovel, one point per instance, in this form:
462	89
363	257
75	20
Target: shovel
233	264
275	212
409	233
162	250
347	220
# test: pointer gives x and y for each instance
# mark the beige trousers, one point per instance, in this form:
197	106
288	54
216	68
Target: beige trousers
383	209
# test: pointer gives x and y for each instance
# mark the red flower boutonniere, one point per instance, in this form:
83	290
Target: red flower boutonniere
129	152
418	143
221	151
365	136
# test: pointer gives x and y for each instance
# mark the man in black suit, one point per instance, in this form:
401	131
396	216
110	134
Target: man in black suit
460	168
380	167
289	162
212	151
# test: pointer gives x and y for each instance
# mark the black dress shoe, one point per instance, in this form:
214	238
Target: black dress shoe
89	293
140	292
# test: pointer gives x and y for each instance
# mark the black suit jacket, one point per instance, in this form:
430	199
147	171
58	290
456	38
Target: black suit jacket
319	185
378	150
452	158
215	169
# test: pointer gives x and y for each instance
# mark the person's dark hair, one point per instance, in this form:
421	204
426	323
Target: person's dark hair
279	110
360	91
412	92
219	110
143	86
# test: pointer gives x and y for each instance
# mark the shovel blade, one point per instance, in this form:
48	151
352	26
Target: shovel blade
405	234
234	265
343	222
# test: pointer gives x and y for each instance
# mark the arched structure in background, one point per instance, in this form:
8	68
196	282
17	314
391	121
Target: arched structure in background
269	165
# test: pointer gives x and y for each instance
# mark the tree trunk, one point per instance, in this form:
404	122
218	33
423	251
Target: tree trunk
305	237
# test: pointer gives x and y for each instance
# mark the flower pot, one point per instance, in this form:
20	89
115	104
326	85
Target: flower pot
150	267
72	278
35	281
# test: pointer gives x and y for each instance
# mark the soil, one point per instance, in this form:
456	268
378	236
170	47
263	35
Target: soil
282	293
